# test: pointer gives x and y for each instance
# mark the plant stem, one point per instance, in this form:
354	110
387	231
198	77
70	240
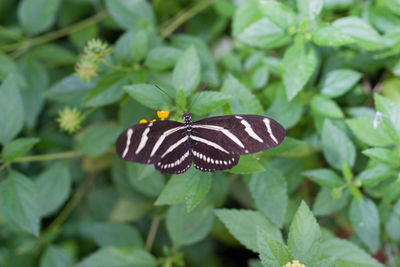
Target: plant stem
183	17
62	155
152	233
56	34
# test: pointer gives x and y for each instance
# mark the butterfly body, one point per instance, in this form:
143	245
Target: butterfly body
211	144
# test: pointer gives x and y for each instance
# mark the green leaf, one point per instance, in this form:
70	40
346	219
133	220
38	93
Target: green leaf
97	139
278	13
260	76
301	59
53	53
11	110
19	203
393	5
188	228
187	71
115	234
146	179
290	148
162	58
118	257
383	155
329	35
374	175
37	16
347	254
128	13
324	177
364	217
325	204
363	129
55	256
248	164
132	46
309	9
330	262
392	227
364	35
338	82
304	236
243	224
70	90
273	253
7	68
390	109
148	95
322	105
242	101
53	187
18	148
336	146
270	194
207	102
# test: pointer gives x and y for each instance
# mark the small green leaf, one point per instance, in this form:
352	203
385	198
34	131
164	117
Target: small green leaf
301	59
326	204
329	35
383	155
70	90
162	57
364	217
322	105
374	175
115	234
11	110
247	165
19	203
324	177
132	46
336	146
18	148
97	139
290	148
207	102
118	257
243	224
55	256
278	13
127	13
260	76
187	71
188	228
309	9
53	186
273	253
390	109
148	95
304	236
338	82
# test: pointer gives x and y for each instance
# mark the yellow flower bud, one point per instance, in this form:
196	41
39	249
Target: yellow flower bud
142	121
162	114
294	263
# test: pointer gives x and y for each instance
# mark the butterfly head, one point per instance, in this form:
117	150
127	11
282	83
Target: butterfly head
186	117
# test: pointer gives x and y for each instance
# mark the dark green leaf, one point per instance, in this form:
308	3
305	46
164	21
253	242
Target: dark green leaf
392	227
207	102
97	139
132	46
128	13
187	71
18	148
273	253
70	90
148	95
290	148
54	256
115	234
146	179
162	58
338	82
247	165
325	204
324	177
8	67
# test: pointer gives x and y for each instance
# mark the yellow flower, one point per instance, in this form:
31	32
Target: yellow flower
69	119
294	263
142	121
162	114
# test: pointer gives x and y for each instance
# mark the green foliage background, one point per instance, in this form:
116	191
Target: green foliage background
326	70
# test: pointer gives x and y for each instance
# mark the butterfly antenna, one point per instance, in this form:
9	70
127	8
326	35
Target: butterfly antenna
162	90
197	96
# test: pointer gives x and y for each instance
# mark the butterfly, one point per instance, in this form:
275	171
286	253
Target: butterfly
212	144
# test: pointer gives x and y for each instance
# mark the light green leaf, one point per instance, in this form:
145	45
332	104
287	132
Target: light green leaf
18	148
324	177
11	110
374	175
55	256
278	13
390	109
290	148
127	13
187	71
19	203
301	59
309	9
70	90
338	82
162	57
148	95
119	257
322	105
132	46
392	227
248	164
273	253
325	204
260	77
393	5
115	234
304	236
97	139
364	217
243	224
329	35
383	155
246	14
53	187
188	228
208	101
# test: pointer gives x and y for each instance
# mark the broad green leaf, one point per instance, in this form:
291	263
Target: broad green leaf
132	46
55	256
243	224
162	57
242	101
304	236
363	129
392	227
278	13
8	67
325	204
246	14
273	253
364	217
53	187
365	36
301	59
390	109
115	234
146	179
338	82
187	71
270	194
322	105
188	228
208	101
329	35
18	148
382	19
97	139
11	110
290	148
127	13
119	257
309	9
37	16
148	95
70	90
337	146
374	175
347	254
247	165
19	203
324	177
383	155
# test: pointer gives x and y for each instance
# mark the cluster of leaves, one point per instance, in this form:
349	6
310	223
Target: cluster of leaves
326	70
